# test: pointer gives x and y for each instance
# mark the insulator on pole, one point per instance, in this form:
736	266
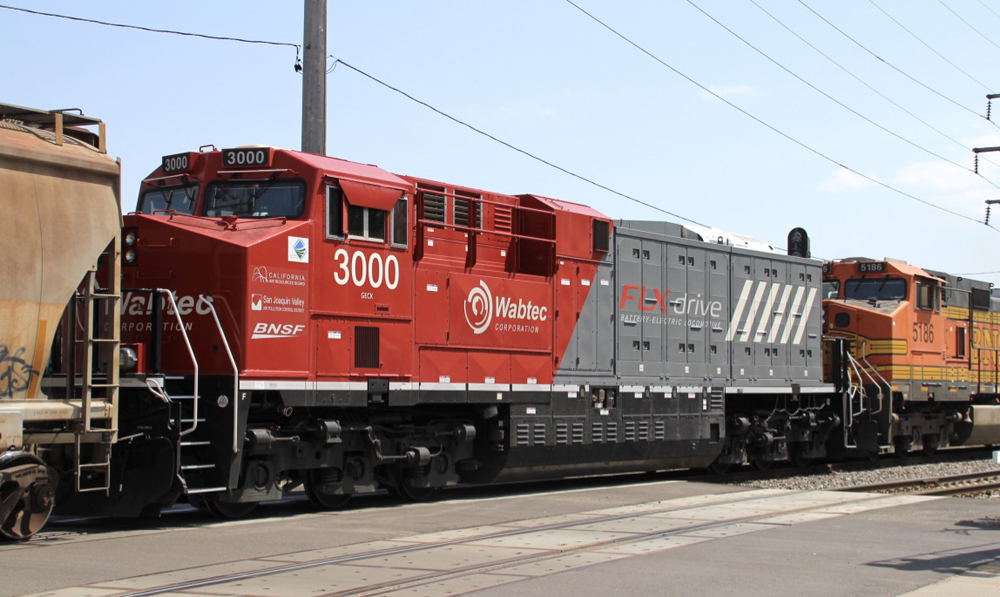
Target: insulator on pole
989	104
987	222
975	163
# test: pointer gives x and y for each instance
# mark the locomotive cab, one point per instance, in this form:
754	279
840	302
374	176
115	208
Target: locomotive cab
905	355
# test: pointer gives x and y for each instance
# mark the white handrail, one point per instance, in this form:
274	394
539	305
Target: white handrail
236	371
180	324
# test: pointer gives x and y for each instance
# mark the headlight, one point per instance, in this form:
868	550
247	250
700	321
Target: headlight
130	256
130	238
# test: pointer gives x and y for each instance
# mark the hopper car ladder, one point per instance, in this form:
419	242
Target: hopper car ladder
103	339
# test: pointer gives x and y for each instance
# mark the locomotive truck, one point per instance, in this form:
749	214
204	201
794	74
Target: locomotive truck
272	319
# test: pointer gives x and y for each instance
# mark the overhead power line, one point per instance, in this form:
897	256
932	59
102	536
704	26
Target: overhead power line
150	29
380	82
515	148
894	67
968	24
833	99
926	45
763	123
862	81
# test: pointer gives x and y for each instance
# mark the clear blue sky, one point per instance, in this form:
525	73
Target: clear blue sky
544	77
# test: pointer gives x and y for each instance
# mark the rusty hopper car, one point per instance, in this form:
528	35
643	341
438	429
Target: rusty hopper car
60	203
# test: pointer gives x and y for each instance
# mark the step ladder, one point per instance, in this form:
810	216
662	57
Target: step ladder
100	311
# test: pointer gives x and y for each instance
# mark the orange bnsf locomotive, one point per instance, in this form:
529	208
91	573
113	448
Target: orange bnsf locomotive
274	319
921	364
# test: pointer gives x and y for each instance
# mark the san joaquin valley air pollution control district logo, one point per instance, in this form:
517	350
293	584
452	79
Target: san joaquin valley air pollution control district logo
479	308
298	249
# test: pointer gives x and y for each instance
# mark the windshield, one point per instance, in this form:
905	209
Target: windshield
255	198
831	288
178	198
881	289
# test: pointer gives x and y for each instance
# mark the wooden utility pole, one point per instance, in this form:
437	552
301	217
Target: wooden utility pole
314	78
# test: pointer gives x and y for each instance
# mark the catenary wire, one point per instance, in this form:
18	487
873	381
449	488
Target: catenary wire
894	67
926	45
763	123
833	99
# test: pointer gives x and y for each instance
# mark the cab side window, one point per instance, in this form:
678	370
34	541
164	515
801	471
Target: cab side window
334	213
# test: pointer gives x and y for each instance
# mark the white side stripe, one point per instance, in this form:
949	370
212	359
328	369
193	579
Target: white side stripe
766	317
779	314
805	316
738	313
752	315
793	314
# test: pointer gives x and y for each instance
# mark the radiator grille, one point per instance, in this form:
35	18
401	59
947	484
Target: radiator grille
366	348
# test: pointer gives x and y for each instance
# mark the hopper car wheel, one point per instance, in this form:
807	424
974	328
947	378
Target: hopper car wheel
230	510
758	463
314	486
27	500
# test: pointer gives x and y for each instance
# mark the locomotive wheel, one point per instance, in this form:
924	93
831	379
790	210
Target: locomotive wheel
718	467
758	463
27	500
799	460
931	444
230	510
325	500
404	491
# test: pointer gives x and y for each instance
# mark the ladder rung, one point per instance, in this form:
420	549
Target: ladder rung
104	385
193	467
203	443
206	490
106	340
104	296
192	420
96	465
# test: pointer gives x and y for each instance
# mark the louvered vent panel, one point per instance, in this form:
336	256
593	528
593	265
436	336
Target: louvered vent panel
522	435
630	431
433	207
612	432
660	431
644	431
539	438
597	433
577	433
503	218
562	434
366	348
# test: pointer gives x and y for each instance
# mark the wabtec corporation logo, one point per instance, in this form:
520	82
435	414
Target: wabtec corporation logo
481	308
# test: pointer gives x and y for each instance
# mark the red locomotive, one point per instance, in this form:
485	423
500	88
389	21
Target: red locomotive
289	319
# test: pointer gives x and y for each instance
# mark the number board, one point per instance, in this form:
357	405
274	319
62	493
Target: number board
246	156
178	162
872	267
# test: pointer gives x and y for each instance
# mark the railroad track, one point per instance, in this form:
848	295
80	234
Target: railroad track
850	466
937	485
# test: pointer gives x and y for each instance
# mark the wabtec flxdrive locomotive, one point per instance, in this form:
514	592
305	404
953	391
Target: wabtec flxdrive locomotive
289	319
